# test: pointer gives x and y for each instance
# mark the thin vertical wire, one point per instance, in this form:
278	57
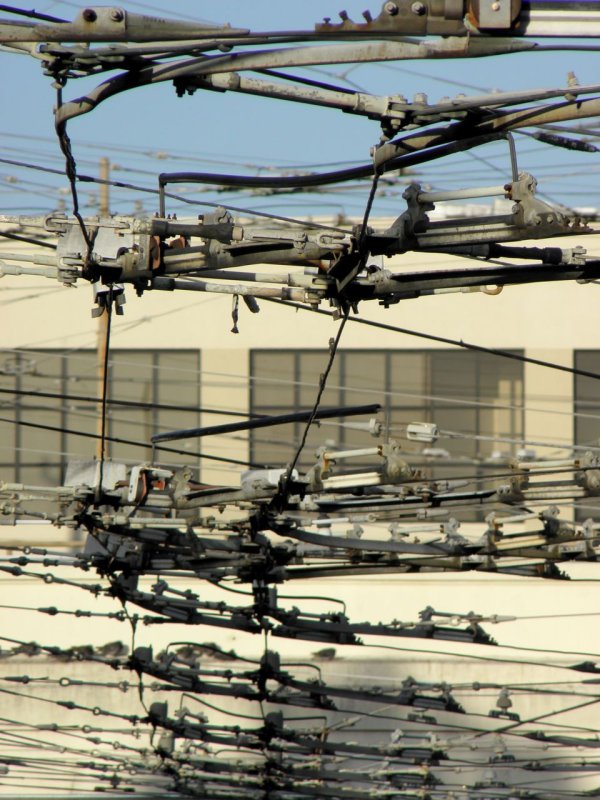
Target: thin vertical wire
104	393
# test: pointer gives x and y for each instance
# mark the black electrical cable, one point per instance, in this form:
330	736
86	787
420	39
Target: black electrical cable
71	173
31	14
322	384
129	403
593	701
28	240
221	585
80	398
471	656
325	178
363	255
148	190
272	73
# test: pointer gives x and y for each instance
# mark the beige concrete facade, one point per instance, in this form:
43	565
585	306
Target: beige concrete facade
548	321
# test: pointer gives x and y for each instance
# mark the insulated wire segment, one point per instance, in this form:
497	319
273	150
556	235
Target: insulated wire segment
71	171
140	423
31	14
338	176
473	657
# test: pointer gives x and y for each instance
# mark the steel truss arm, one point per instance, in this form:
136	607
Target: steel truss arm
394	111
363	52
523	18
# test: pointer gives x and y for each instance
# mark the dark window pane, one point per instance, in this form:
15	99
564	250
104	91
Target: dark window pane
587	390
310	368
587	420
275	375
408	375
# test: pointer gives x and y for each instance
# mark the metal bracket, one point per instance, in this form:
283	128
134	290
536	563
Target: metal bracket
494	14
436	17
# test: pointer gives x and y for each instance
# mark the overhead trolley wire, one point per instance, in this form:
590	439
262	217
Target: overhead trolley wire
148	190
445	340
281	381
119	440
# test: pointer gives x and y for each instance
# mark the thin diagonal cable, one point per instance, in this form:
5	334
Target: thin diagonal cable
133	404
119	440
104	391
363	255
31	14
367	214
280	381
28	240
445	340
322	384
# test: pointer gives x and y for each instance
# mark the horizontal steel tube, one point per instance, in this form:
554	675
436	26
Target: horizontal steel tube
460	194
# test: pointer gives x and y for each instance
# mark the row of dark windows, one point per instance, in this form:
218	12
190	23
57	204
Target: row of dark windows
460	391
38	435
465	392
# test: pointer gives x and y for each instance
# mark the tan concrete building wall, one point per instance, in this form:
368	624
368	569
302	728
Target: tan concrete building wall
549	322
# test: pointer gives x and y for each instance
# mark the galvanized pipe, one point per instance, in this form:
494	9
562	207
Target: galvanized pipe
460	194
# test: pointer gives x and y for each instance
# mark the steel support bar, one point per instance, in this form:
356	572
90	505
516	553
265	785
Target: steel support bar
363	52
17	269
498	122
460	194
172	284
421	283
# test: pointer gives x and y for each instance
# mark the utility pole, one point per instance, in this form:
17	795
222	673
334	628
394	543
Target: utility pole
101	353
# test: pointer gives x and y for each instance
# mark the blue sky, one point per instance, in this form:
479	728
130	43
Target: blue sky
151	130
